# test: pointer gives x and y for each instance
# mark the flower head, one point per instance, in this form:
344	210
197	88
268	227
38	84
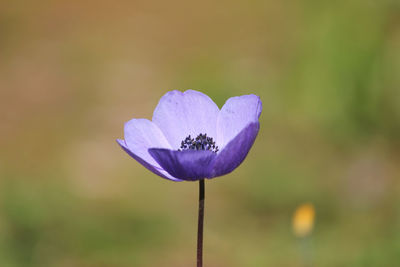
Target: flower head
303	220
190	138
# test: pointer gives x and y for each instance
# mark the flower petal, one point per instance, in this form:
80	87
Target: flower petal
158	171
189	165
189	113
142	134
235	151
236	114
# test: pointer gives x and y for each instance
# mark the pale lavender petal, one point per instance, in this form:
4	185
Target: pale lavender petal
233	154
142	134
236	114
154	169
189	165
189	113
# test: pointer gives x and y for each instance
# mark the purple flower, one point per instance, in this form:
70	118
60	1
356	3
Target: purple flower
190	138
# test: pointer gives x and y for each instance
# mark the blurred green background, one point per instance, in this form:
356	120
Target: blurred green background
72	72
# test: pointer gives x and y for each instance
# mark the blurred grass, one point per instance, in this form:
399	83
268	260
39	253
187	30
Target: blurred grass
71	73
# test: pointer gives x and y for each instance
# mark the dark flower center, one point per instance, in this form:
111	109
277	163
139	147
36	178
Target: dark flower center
201	142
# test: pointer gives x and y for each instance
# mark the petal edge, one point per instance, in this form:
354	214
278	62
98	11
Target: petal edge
234	153
235	115
154	169
179	114
188	165
142	134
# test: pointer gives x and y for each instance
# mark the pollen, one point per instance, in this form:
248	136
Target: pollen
201	142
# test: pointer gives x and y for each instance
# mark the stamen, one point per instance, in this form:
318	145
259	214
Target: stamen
201	142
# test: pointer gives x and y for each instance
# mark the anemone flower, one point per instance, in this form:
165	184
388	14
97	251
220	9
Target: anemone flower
190	139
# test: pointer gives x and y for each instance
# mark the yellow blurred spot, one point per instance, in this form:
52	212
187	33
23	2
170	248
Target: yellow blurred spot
303	220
